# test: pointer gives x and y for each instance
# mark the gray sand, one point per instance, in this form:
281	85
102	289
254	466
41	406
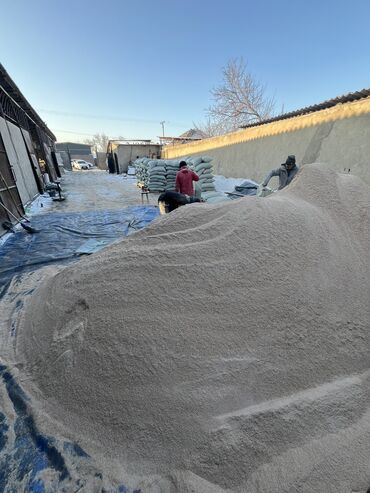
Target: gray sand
225	347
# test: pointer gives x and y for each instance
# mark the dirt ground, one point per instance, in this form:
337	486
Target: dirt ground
92	190
84	191
97	189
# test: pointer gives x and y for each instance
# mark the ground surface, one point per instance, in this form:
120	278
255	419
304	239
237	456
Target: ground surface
29	460
97	189
257	381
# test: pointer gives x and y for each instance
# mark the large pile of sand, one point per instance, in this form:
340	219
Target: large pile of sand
230	342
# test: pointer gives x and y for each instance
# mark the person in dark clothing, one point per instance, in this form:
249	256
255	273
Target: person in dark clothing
173	200
184	179
286	173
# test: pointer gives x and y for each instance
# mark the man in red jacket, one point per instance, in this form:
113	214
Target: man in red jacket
184	179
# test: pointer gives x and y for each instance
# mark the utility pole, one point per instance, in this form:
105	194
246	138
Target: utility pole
162	123
69	155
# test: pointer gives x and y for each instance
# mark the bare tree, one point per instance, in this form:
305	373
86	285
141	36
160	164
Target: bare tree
211	127
239	100
100	141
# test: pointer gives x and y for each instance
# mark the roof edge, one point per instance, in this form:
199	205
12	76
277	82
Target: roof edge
346	98
26	106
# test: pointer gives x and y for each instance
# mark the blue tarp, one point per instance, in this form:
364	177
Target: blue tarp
30	461
61	235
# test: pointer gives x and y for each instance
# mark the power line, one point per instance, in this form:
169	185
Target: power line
82	133
70	132
105	117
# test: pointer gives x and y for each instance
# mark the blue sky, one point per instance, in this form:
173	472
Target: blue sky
122	66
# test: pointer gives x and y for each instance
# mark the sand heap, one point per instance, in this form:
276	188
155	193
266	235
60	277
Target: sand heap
229	342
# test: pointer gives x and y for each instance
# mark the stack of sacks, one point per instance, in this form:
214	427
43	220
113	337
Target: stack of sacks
203	168
157	175
141	166
214	197
172	167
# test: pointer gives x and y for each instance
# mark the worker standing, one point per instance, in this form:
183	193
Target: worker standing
286	173
184	179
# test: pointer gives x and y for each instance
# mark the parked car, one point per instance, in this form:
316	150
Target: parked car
81	164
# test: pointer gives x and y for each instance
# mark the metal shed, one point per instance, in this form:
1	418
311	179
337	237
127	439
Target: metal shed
26	150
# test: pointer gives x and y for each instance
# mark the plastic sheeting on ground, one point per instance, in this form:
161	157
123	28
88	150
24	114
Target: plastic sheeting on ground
36	463
29	460
61	235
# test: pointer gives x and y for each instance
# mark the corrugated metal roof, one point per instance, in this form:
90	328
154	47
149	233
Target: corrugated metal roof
193	133
346	98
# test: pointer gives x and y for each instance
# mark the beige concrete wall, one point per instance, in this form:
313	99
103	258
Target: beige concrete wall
337	137
128	153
